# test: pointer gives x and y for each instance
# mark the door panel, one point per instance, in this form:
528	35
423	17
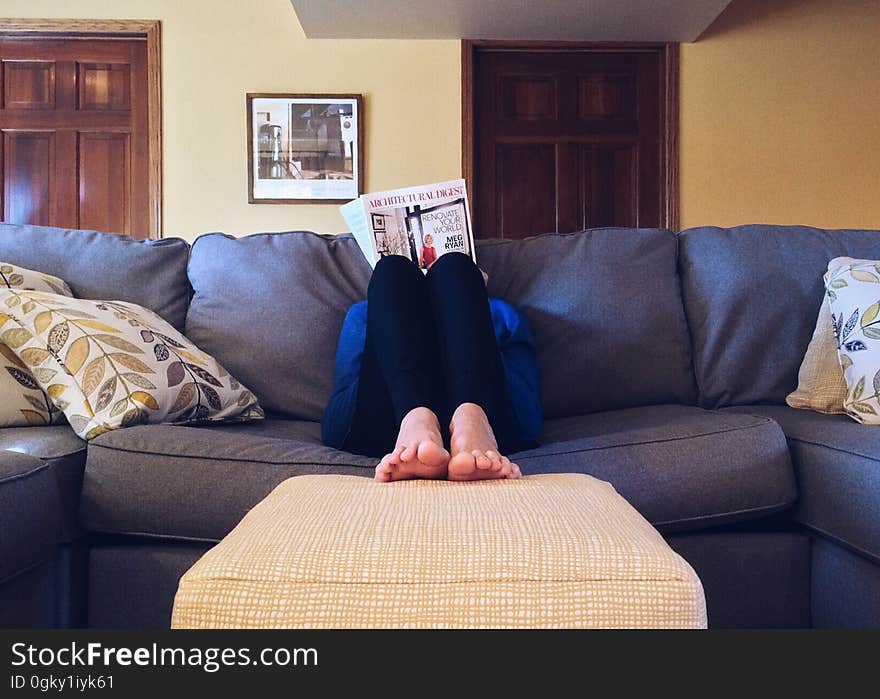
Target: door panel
526	195
28	167
76	134
567	139
104	86
528	97
29	84
609	180
606	96
104	173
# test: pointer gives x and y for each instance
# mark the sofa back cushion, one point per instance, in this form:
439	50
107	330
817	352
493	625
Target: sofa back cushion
606	311
106	266
604	305
752	295
270	306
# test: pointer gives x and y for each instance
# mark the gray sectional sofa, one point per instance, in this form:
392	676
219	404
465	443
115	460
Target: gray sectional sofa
665	364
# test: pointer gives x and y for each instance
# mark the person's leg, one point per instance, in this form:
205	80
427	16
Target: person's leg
482	420
402	355
373	429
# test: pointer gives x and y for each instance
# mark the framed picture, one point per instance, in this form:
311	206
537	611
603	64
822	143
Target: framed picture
378	222
304	148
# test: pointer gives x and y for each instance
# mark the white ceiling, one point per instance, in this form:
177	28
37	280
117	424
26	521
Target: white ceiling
556	20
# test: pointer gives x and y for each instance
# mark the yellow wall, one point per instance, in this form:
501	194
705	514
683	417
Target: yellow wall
780	109
780	115
216	51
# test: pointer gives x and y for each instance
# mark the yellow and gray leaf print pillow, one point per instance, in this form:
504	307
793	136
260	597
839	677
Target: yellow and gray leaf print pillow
853	291
112	364
23	401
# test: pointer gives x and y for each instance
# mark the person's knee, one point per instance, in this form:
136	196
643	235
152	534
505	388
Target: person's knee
394	263
394	268
455	264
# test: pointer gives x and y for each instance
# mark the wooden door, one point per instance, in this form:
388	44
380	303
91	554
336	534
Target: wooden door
568	139
74	150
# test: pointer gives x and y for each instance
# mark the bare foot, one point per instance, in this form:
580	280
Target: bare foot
419	452
474	449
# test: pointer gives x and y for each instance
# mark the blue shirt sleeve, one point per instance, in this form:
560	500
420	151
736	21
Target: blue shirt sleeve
339	412
518	355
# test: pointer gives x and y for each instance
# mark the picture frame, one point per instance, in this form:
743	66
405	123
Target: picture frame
305	148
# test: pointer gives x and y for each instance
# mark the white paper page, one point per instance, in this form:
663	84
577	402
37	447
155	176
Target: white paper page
356	220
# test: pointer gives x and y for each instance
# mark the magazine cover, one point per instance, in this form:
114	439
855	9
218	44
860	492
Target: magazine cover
421	223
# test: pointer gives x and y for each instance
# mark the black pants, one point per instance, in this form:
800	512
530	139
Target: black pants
430	343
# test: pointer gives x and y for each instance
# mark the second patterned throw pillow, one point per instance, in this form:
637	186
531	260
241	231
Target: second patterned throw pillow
821	384
24	402
853	291
112	364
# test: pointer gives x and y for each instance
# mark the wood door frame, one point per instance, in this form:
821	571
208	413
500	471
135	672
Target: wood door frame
669	118
148	29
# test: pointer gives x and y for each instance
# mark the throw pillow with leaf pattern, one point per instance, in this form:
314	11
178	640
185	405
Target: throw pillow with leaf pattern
23	401
112	364
853	291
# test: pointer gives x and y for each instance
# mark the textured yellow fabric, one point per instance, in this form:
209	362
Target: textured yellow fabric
821	383
562	550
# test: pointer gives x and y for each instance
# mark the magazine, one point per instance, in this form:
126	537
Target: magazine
420	223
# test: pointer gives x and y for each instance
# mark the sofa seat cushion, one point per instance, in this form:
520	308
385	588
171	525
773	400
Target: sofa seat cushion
29	521
682	467
196	483
65	455
837	464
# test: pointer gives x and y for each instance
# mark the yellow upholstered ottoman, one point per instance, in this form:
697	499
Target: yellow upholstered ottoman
560	550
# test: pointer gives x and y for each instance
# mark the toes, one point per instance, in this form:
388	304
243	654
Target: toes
504	468
515	471
483	462
496	460
385	469
383	472
408	453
